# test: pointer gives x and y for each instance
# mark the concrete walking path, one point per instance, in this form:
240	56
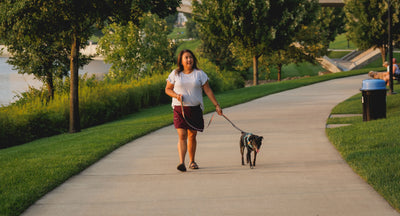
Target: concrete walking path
298	171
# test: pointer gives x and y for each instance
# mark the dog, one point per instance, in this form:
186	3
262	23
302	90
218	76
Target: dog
252	143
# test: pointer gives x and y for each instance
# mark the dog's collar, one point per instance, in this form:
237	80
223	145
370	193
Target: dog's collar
246	140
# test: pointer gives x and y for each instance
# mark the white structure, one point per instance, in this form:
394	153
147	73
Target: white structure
181	21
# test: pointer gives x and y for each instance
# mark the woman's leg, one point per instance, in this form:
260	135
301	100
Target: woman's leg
192	143
182	144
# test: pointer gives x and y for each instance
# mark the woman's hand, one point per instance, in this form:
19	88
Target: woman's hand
179	97
207	89
218	109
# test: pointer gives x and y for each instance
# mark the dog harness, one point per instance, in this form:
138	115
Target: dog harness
246	140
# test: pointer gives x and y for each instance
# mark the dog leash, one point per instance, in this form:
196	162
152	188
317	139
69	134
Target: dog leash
187	122
233	124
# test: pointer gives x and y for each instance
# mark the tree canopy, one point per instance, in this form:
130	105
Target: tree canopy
137	50
255	28
214	25
45	55
367	23
69	23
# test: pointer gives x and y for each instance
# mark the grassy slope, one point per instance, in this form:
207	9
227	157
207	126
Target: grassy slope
371	148
342	43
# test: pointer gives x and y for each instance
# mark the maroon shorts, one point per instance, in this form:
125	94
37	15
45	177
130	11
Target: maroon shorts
193	118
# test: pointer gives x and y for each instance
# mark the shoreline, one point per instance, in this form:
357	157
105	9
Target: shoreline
89	50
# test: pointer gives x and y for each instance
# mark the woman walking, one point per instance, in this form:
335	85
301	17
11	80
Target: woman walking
185	85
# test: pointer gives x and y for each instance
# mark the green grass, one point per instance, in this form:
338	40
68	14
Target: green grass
352	105
191	45
371	148
31	170
178	33
295	70
378	62
341	43
337	54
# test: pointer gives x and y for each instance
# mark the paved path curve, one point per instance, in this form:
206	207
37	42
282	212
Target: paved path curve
298	172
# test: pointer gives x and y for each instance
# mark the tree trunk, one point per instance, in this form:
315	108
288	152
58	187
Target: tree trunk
74	119
383	53
279	72
255	70
50	86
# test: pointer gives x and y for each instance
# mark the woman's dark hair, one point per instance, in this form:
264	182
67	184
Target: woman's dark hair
180	66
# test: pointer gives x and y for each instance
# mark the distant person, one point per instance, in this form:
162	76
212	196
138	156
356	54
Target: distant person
186	85
396	71
396	68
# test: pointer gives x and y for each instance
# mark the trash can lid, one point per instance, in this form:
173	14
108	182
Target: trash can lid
373	84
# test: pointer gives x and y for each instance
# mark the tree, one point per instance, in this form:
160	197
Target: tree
331	22
312	40
46	59
367	23
137	50
292	41
45	56
254	28
42	59
214	23
171	19
70	22
191	28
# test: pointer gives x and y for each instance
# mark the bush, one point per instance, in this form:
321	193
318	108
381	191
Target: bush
99	102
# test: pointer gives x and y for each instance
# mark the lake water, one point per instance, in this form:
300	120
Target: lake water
12	83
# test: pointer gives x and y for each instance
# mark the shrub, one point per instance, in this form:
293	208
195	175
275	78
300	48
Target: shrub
99	102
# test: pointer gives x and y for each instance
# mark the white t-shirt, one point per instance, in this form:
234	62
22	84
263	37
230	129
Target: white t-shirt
189	86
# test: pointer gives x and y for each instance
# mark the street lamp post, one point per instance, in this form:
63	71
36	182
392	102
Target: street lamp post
390	46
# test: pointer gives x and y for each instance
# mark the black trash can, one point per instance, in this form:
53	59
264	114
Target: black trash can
373	99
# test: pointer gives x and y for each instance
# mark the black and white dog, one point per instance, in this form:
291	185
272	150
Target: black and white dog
252	143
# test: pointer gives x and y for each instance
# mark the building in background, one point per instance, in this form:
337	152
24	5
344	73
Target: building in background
181	20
